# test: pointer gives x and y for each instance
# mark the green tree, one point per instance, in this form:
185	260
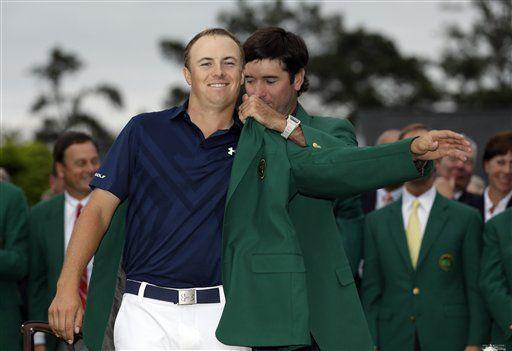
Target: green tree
29	164
62	110
479	60
349	68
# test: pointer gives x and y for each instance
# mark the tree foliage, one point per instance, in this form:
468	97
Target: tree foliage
29	164
62	110
479	60
351	68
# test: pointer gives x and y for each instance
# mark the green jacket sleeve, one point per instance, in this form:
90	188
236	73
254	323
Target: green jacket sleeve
340	172
493	282
13	250
479	323
37	278
372	281
333	132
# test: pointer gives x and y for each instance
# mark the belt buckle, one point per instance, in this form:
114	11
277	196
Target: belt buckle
186	296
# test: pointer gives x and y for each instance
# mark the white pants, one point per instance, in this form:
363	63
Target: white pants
148	324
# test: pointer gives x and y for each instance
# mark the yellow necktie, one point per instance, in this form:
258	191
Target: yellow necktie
413	233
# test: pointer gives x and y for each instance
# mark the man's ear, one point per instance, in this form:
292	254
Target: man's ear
187	75
59	168
299	79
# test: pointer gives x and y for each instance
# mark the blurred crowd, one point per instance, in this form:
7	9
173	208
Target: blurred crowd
436	221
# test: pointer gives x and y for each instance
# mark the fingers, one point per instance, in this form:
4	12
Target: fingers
245	97
52	319
78	320
461	155
69	326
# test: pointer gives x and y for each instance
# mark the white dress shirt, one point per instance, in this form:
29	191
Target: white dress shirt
426	202
70	205
382	194
502	205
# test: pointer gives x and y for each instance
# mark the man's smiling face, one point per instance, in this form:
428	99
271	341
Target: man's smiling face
214	71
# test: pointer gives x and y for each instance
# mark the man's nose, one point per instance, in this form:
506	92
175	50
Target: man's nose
218	70
261	90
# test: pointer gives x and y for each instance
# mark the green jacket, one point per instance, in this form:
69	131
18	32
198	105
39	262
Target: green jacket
271	267
309	216
496	276
440	300
47	257
13	262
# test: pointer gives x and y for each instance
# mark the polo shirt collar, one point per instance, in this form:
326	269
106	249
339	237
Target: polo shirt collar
182	109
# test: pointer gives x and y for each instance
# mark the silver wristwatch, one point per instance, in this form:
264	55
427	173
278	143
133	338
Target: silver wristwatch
291	124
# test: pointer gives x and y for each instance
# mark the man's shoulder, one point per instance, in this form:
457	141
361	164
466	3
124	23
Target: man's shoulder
8	189
382	213
43	209
151	117
326	122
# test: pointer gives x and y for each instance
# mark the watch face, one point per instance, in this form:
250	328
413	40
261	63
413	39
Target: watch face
294	119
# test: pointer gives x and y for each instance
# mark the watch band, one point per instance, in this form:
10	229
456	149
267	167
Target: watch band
291	124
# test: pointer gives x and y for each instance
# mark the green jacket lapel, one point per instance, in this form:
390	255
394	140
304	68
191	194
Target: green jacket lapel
55	230
396	228
435	223
249	144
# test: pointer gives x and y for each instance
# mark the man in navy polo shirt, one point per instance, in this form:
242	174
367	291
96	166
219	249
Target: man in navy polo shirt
175	166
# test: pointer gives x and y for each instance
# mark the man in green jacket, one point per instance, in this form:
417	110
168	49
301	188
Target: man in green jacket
421	259
496	276
13	262
263	269
51	222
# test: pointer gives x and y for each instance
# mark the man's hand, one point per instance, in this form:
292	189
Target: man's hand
65	314
253	106
445	187
473	348
440	143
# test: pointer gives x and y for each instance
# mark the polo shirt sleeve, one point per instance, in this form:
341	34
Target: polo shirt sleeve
117	168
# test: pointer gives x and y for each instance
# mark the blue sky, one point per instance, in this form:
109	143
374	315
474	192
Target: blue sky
118	42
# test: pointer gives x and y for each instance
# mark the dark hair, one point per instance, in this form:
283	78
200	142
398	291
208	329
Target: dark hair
67	139
275	43
211	32
499	144
411	128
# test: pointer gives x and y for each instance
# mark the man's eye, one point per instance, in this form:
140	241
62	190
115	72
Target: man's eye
249	80
230	63
206	64
271	81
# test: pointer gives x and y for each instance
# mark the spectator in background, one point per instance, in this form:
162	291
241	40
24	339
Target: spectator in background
374	200
454	177
13	263
498	167
420	287
4	175
496	276
76	160
476	185
56	185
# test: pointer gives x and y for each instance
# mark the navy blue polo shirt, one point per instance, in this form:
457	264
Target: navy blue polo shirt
176	183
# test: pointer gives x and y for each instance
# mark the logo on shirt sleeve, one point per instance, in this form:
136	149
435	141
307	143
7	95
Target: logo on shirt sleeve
231	151
99	175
